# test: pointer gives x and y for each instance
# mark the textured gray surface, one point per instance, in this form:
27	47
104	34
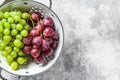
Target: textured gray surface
92	41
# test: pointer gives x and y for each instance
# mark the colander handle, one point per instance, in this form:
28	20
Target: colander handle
6	1
19	77
1	77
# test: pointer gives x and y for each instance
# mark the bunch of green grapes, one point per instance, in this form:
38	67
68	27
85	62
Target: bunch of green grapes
13	28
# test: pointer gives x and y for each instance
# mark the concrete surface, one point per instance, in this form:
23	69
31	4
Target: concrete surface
92	41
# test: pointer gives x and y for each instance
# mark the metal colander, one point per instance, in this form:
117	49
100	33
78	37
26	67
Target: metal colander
33	6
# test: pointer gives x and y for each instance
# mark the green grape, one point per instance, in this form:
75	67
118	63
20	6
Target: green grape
7	38
19	37
27	27
17	43
2	46
18	13
22	45
8	49
9	58
6	42
4	20
13	13
6	32
1	35
7	25
1	41
14	32
19	27
25	15
4	54
10	20
1	29
23	22
14	65
1	15
24	33
16	49
21	53
25	58
6	14
13	54
13	26
1	23
9	63
11	44
17	18
20	60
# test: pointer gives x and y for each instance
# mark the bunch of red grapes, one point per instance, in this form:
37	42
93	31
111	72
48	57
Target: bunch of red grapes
42	39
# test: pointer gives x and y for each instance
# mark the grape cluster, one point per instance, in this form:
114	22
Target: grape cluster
13	28
42	39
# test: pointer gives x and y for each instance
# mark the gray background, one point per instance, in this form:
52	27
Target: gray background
92	41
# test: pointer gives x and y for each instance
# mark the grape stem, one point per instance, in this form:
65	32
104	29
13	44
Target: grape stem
38	19
41	35
32	22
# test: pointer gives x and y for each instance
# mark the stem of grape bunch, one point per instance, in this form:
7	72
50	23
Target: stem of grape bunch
33	25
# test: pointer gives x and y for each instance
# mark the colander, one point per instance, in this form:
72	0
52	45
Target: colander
33	6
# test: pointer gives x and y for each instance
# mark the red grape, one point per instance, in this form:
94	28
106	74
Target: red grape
40	27
48	22
48	32
34	33
42	39
27	40
45	45
37	41
39	59
47	53
35	47
50	40
27	49
36	16
54	44
35	52
55	35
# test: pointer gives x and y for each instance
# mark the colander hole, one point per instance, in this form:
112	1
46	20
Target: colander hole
25	3
40	8
35	10
42	13
27	72
31	10
32	7
43	10
53	15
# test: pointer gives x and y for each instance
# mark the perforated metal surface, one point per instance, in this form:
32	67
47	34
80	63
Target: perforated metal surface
39	9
